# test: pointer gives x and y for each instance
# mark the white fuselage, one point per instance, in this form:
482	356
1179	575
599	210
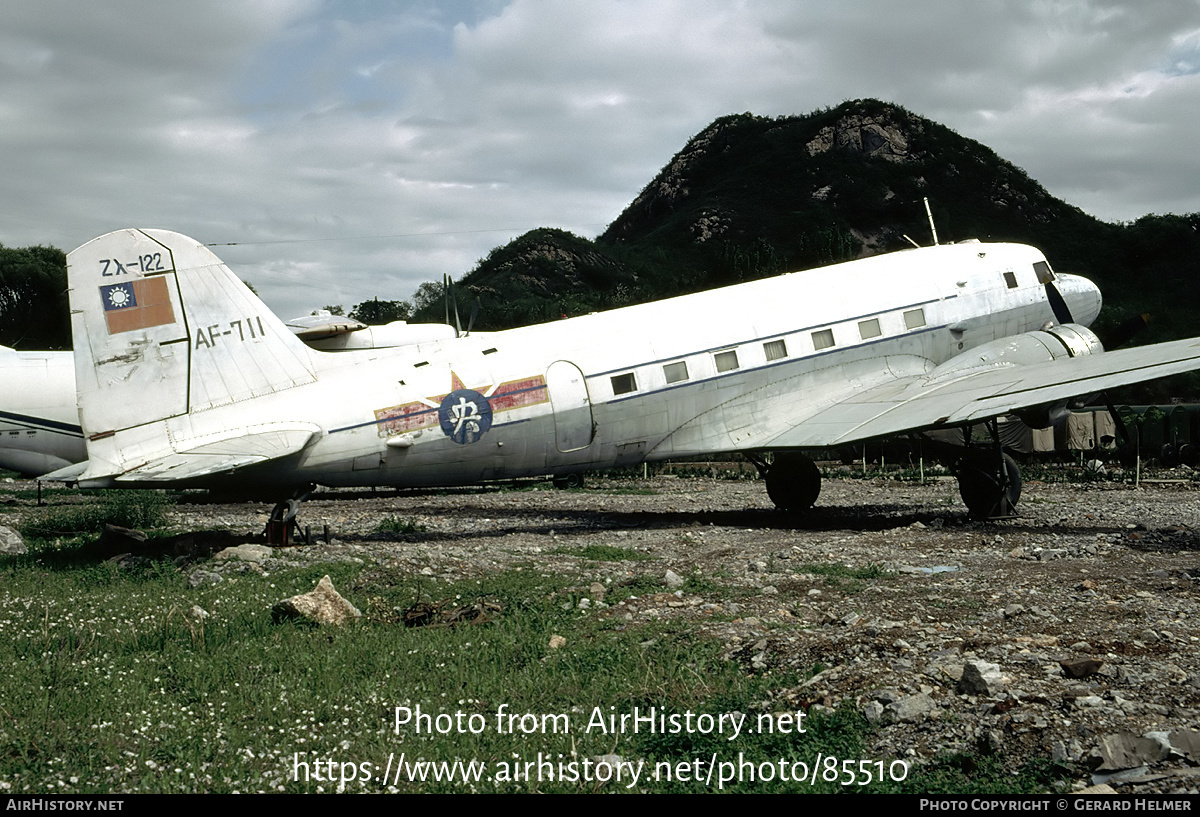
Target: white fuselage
725	370
39	426
681	377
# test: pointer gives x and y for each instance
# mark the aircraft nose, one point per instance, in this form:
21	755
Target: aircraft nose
1082	297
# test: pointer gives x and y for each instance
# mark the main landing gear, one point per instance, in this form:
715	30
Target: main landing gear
989	484
793	480
989	480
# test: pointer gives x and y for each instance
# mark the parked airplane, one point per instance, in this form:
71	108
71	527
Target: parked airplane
39	422
185	378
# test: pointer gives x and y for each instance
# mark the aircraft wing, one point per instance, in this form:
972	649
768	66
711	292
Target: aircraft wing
916	403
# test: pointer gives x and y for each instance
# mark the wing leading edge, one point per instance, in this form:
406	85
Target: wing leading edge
921	402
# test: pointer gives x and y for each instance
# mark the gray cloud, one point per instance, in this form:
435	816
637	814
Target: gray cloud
306	122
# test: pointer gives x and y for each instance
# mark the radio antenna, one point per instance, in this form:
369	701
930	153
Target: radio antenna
932	228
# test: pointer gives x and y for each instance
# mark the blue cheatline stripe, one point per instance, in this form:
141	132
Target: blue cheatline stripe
42	423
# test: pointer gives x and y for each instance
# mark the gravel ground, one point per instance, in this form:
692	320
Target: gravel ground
886	589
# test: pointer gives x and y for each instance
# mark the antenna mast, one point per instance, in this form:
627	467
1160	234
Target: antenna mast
932	228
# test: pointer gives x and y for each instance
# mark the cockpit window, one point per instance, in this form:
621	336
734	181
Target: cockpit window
1010	278
1044	274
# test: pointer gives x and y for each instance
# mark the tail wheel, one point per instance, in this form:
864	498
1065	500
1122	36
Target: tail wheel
986	492
793	482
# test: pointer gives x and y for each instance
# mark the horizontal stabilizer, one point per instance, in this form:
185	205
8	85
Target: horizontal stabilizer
70	473
225	452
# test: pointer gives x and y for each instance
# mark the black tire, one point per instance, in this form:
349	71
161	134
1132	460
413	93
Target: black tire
568	481
793	482
980	489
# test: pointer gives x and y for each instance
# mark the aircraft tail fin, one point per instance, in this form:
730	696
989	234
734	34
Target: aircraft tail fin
162	330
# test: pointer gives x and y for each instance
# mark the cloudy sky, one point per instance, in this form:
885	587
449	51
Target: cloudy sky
356	149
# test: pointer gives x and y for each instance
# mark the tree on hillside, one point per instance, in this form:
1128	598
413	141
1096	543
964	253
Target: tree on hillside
428	294
376	312
34	313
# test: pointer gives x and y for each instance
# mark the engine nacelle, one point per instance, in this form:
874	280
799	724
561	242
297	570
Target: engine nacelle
1042	346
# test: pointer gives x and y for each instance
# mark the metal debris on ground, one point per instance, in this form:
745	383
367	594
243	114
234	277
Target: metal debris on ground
449	613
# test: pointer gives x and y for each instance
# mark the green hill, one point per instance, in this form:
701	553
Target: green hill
753	196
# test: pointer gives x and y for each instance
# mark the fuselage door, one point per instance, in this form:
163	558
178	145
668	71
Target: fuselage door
573	428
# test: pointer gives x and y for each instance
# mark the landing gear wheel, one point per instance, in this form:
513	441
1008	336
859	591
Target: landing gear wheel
568	481
986	493
793	482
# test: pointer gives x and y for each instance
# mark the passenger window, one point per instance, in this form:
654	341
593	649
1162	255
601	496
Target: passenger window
822	339
623	383
775	349
914	318
869	329
676	372
726	361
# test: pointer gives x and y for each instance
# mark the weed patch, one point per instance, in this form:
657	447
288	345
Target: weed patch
394	524
605	553
847	579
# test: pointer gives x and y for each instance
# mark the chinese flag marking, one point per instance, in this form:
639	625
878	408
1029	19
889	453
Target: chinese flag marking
137	304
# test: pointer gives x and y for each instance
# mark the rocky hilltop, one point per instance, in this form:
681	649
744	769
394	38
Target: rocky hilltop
752	196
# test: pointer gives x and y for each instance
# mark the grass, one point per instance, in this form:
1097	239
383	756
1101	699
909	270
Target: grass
116	686
848	579
605	553
128	509
122	689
